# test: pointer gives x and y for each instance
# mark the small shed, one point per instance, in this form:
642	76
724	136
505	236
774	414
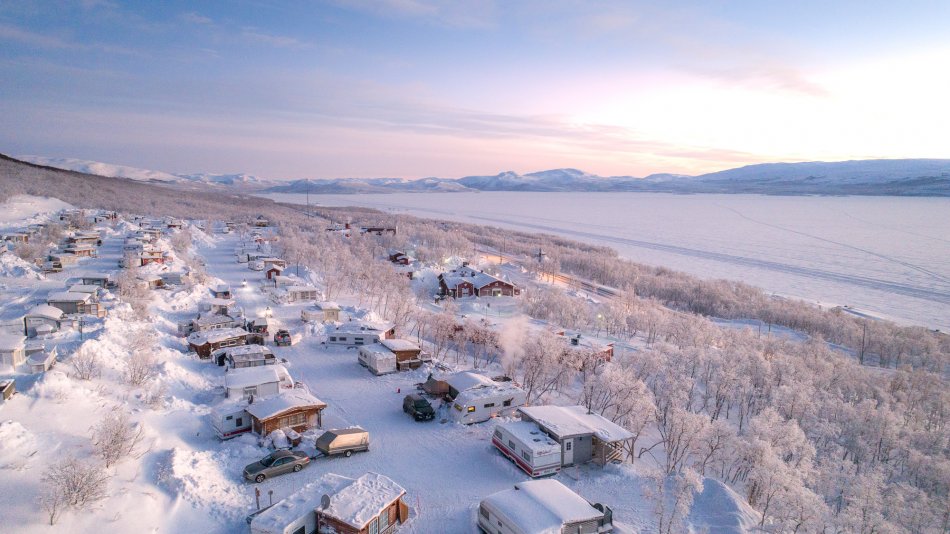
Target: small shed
301	293
296	409
102	280
221	291
40	362
273	272
408	354
12	350
377	358
42	319
7	390
327	312
71	302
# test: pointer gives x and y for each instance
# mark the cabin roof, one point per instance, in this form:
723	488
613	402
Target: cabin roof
251	376
362	499
11	342
300	503
542	506
398	344
276	404
359	327
215	336
68	296
566	421
47	311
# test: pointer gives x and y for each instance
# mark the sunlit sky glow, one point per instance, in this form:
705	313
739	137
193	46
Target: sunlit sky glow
417	88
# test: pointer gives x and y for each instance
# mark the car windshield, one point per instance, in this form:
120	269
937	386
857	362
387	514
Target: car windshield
268	460
422	404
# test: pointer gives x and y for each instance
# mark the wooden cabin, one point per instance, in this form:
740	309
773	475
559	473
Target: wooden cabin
301	293
42	319
327	312
468	282
296	409
372	503
78	303
205	342
12	350
584	437
408	354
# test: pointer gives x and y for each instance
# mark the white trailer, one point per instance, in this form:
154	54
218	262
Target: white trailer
481	404
528	447
230	420
377	358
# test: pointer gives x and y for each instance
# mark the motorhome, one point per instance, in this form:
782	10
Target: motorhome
528	447
542	506
476	398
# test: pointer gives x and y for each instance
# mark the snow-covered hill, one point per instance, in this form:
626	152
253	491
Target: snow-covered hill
102	169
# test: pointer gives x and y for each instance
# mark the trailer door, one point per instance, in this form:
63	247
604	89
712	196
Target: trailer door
567	452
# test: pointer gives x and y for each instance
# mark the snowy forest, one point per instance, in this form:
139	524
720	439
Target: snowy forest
842	425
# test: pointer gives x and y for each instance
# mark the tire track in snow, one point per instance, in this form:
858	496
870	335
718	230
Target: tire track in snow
923	293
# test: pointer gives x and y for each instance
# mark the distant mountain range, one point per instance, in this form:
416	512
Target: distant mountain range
896	177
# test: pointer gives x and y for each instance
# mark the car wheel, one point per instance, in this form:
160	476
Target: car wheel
348	454
297	468
259	478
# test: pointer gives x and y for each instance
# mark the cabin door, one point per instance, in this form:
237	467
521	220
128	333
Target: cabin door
567	452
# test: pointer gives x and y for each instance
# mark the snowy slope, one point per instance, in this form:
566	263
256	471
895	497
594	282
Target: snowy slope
102	169
23	209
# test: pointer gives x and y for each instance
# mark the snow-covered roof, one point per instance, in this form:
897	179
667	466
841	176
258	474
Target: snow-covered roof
466	380
84	288
328	305
363	499
38	358
566	421
246	353
398	344
251	376
47	311
466	274
221	302
215	336
300	289
213	318
531	437
377	350
358	327
221	288
542	506
67	296
270	406
302	502
11	342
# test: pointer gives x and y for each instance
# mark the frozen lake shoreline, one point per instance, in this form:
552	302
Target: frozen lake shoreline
885	256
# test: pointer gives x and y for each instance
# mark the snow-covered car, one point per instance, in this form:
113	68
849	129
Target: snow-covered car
276	463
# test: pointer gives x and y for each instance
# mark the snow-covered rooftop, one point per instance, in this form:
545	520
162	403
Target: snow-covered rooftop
363	499
542	506
47	311
251	376
328	305
357	327
465	380
300	503
532	437
247	352
84	288
376	349
472	276
11	342
270	406
398	344
215	336
213	318
68	296
566	421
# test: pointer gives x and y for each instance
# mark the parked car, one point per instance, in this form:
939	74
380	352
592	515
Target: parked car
276	463
343	441
418	407
282	338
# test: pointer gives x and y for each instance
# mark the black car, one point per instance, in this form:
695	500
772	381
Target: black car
418	407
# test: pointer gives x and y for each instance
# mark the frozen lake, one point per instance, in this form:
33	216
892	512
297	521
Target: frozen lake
887	256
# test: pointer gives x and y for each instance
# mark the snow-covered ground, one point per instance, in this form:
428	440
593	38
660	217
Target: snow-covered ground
183	479
885	256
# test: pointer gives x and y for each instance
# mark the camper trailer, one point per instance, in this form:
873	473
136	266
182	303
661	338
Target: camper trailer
343	441
537	506
230	420
528	447
476	398
378	359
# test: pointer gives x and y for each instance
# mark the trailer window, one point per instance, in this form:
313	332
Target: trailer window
483	511
526	456
490	405
471	409
511	444
507	403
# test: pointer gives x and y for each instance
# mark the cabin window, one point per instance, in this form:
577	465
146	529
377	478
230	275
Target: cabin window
471	409
228	418
506	403
292	420
251	390
239	422
301	530
490	405
332	338
374	527
384	521
567	445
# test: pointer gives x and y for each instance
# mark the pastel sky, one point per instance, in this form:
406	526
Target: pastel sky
413	88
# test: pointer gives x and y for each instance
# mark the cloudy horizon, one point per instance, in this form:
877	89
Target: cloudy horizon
416	88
